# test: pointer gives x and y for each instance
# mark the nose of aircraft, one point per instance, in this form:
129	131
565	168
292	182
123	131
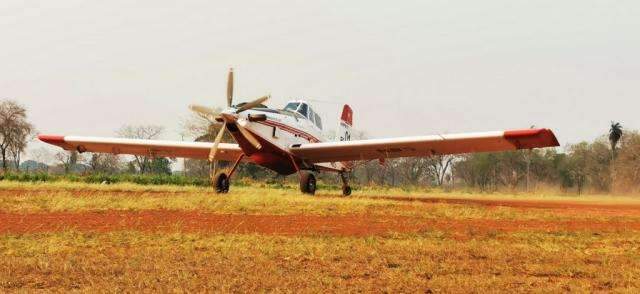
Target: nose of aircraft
229	116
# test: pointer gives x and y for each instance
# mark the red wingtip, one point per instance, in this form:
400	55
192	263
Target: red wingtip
52	139
532	138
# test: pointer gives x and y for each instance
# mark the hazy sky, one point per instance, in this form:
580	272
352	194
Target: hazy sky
406	67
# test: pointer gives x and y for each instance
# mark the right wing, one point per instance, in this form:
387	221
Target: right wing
152	148
424	146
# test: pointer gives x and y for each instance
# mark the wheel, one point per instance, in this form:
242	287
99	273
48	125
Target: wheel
308	183
346	191
221	183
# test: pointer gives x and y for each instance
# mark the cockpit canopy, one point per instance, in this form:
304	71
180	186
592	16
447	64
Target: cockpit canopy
305	110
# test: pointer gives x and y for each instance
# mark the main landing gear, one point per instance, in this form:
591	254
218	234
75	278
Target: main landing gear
346	189
221	180
307	182
221	183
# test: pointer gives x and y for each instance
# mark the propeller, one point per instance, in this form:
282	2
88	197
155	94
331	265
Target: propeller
206	112
230	88
216	142
252	139
213	116
253	103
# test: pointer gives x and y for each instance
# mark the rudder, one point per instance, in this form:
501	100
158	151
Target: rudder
346	124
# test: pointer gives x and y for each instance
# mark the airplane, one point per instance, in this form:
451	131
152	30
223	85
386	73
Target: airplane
290	140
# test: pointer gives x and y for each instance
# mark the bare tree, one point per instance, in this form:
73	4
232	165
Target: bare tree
438	166
104	163
201	129
412	169
69	160
43	157
15	132
147	132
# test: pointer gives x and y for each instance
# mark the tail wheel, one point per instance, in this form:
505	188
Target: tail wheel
346	190
221	183
308	183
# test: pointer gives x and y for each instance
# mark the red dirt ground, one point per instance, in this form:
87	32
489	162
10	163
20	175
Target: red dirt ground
343	225
346	225
562	207
552	204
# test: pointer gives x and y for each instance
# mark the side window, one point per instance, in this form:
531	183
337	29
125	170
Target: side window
318	121
312	115
303	110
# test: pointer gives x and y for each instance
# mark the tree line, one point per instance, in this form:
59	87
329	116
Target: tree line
610	163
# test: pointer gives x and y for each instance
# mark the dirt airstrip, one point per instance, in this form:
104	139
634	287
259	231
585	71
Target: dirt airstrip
336	225
343	225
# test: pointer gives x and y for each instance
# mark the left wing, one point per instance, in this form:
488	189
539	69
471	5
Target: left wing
424	146
152	148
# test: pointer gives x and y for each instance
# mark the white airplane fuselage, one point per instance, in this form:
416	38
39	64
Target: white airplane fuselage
277	130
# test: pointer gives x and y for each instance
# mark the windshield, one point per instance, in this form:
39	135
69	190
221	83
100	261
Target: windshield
293	106
303	110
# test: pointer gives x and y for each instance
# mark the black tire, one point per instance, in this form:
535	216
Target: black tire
308	183
221	183
346	191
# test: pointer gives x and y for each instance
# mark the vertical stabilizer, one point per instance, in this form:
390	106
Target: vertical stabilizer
346	124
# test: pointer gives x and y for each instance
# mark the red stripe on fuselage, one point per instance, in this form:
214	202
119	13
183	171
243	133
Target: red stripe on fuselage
291	130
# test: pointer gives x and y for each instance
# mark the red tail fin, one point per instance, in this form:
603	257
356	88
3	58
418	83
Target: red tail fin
347	115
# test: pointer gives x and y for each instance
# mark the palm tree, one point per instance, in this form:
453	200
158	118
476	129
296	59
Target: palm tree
615	133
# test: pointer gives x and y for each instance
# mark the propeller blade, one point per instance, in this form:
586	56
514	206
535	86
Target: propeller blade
253	103
250	137
230	88
216	142
204	111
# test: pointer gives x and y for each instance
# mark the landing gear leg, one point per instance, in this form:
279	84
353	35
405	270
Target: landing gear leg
346	189
221	180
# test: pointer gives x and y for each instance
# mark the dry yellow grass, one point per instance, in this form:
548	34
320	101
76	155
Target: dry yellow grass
131	261
455	259
61	196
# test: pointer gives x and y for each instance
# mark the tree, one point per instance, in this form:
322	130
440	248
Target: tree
43	156
412	169
15	132
437	167
201	129
104	163
615	133
578	158
161	166
146	132
69	160
478	170
628	173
